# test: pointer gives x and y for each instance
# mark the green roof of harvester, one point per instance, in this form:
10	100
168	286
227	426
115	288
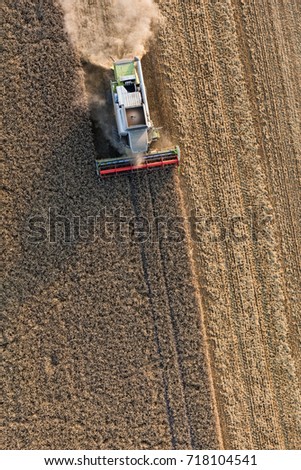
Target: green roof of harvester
121	70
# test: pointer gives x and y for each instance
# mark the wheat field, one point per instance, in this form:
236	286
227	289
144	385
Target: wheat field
123	334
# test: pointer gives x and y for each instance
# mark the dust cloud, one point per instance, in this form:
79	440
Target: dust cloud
102	30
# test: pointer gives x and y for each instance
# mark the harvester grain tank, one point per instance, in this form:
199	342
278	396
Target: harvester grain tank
135	130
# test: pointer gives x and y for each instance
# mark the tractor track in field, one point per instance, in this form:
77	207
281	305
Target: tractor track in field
170	342
146	268
175	335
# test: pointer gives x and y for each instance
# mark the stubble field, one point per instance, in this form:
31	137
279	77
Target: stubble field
191	338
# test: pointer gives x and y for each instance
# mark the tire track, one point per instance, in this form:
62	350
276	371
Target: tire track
163	365
178	315
171	250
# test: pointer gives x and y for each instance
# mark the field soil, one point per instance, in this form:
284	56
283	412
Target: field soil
159	310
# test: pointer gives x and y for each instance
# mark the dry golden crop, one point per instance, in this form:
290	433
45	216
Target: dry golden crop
128	338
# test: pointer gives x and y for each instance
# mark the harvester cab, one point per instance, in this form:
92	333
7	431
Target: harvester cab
135	130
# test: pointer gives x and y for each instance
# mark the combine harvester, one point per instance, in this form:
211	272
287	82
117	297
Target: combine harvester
135	130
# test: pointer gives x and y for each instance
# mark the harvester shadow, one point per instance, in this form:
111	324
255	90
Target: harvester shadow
68	188
66	185
97	86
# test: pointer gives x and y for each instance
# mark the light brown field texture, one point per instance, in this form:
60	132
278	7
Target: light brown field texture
190	343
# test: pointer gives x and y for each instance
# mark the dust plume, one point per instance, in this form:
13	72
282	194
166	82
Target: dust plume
104	29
